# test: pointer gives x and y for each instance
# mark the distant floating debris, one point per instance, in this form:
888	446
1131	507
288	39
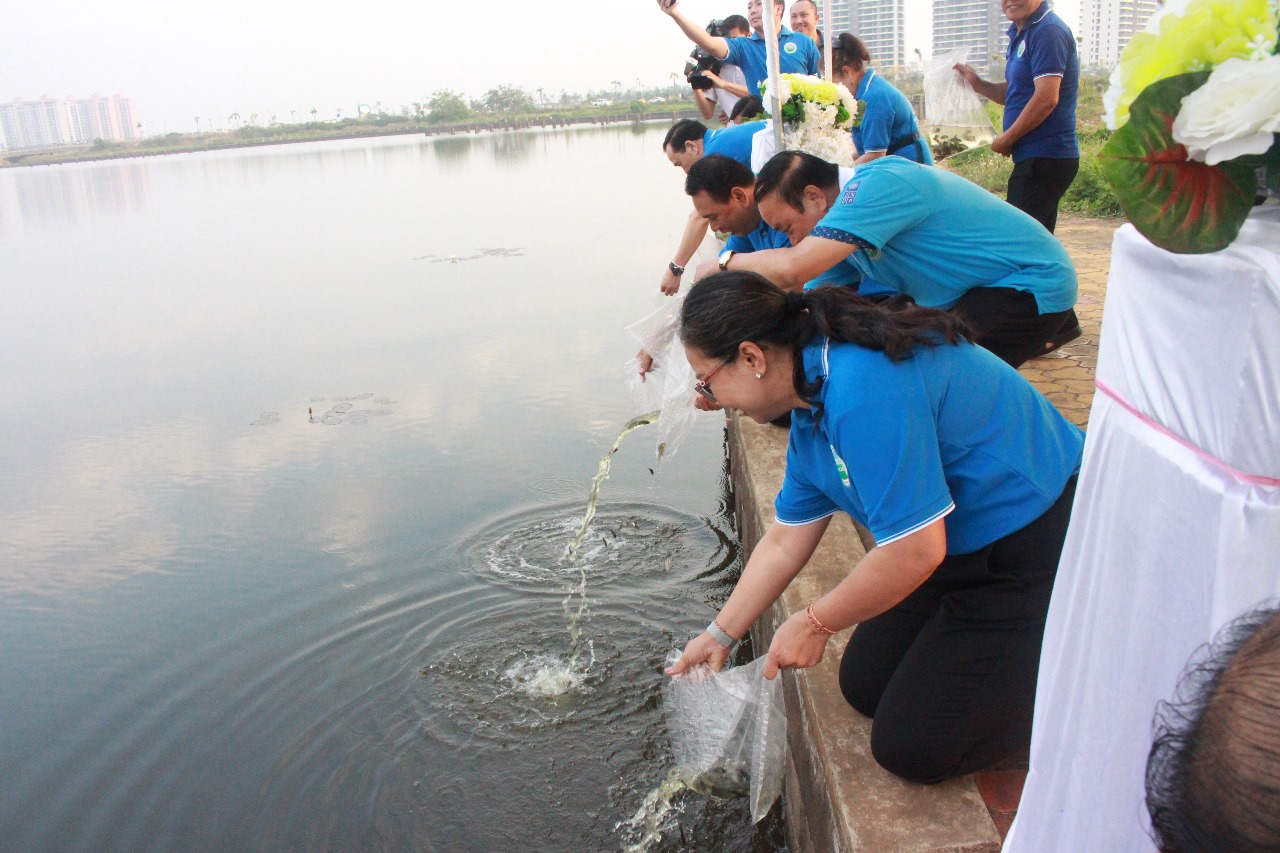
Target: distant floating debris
344	410
483	253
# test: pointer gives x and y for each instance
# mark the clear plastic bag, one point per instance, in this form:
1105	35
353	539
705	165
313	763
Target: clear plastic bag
669	386
729	731
951	107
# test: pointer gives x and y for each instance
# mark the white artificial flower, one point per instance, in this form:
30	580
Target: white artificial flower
1111	98
1115	86
1236	112
784	92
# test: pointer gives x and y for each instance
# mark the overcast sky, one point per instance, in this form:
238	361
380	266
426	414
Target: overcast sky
178	60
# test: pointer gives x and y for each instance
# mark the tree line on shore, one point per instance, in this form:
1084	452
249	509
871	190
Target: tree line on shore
1089	194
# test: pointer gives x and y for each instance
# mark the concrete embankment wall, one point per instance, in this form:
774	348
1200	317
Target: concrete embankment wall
837	797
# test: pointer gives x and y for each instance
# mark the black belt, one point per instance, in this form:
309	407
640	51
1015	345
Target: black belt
903	141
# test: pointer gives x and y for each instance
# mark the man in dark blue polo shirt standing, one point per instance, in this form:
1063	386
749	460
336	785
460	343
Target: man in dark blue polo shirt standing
1042	76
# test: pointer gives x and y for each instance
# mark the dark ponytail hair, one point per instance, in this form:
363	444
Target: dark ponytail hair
724	310
849	51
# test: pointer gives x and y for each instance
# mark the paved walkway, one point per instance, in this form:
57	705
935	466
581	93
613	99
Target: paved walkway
1066	376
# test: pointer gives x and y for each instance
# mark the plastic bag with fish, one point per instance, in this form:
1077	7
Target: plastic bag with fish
951	107
669	386
728	731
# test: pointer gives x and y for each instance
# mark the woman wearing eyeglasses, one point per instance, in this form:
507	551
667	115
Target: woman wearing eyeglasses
961	470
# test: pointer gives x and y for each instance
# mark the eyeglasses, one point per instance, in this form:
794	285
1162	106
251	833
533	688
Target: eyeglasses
703	385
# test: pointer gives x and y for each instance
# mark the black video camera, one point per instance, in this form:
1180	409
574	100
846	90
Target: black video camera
700	61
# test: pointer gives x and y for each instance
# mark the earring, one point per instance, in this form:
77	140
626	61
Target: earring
759	376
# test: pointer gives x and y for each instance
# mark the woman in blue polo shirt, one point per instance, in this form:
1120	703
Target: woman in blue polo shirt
887	124
960	469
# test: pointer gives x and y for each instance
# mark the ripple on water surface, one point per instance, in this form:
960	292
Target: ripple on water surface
626	544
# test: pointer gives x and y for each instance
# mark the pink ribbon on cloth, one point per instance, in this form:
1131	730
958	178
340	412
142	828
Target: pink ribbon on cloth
1253	479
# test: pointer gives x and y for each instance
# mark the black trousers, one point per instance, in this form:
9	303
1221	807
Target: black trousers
949	675
1007	322
1037	184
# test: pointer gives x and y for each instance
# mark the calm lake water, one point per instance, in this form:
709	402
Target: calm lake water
287	492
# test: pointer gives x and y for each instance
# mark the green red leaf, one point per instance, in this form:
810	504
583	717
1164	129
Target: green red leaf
1267	163
1180	205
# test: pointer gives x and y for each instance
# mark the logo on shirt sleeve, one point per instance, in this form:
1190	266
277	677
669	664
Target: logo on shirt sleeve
789	47
850	192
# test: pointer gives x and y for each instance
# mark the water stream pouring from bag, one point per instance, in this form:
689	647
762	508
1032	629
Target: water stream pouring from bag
549	677
574	616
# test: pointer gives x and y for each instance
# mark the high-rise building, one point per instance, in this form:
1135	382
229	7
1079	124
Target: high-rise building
842	17
881	24
35	124
1108	25
100	117
975	25
49	121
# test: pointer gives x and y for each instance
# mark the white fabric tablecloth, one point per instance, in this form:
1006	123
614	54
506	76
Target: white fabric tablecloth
1166	543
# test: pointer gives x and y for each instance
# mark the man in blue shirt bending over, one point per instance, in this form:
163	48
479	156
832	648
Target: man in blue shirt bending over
797	54
686	143
724	195
929	235
1042	75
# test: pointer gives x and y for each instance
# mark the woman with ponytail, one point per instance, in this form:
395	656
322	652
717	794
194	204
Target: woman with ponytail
962	472
886	124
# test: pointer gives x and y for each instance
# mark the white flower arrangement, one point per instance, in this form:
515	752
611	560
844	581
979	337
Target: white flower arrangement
817	117
1185	36
1195	106
1235	113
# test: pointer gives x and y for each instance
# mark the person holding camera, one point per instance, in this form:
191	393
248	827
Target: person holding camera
715	83
797	54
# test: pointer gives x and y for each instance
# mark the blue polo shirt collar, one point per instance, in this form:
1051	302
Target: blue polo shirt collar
817	365
782	32
861	94
1044	10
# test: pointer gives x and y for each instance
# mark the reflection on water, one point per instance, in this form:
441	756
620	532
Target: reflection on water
71	193
510	149
452	152
224	626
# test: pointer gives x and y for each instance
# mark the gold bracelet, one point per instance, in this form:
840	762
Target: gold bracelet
817	623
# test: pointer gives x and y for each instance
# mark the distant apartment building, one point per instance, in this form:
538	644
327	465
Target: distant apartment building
1108	25
879	23
35	124
47	122
842	18
977	25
